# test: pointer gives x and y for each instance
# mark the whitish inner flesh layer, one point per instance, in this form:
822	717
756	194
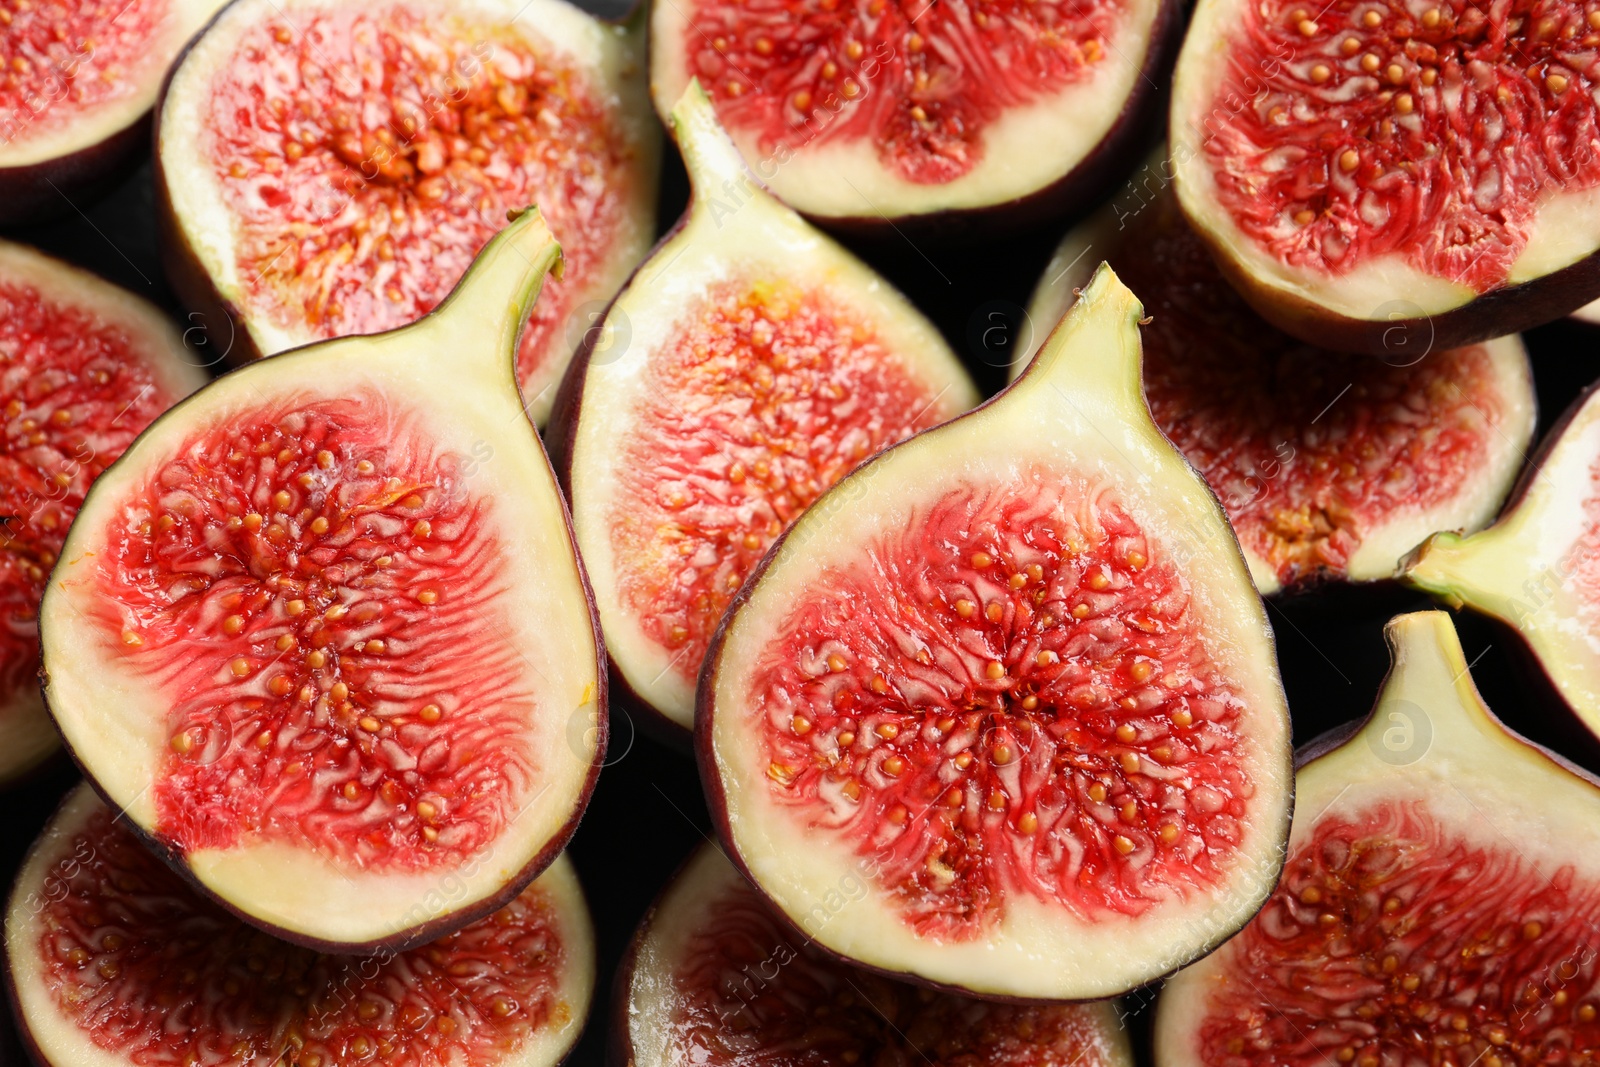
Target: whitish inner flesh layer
1013	694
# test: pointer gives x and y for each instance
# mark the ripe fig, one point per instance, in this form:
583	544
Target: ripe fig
115	962
1012	676
714	978
330	167
1368	165
86	367
748	365
926	116
1331	467
1439	901
1537	569
80	81
322	634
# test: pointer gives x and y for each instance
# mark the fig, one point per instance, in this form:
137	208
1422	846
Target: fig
929	117
714	978
86	367
1536	570
1012	675
115	962
1331	467
1438	904
322	636
327	168
80	81
748	365
1369	166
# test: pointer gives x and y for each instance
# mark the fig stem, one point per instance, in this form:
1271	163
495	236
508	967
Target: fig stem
484	315
1440	567
716	167
1093	355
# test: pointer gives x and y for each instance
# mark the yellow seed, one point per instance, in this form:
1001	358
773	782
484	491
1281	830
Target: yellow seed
1000	755
887	730
351	790
428	596
994	612
429	713
281	500
1129	762
965	608
1371	19
319	525
422	529
1430	17
1018	580
1531	930
1183	717
374	646
240	667
894	766
1123	845
1045	658
295	607
1321	73
836	663
182	743
317	658
995	670
264	738
1556	83
1141	670
1028	823
1370	62
284	643
1169	832
1404	104
1098	580
279	686
1349	159
1307	28
1126	733
1130	811
339	692
1349	46
325	459
131	639
1081	611
981	560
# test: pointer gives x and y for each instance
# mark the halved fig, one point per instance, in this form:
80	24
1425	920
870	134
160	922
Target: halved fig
330	167
86	367
1371	165
748	365
1589	313
114	962
714	978
322	634
1438	904
1537	569
79	82
1331	467
1012	675
926	115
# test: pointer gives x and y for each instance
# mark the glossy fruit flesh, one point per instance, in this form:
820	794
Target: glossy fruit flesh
136	966
1393	939
720	980
1316	455
1430	133
1014	695
763	398
314	592
60	60
369	153
920	82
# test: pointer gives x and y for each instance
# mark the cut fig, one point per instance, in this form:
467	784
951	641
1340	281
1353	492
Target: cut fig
86	367
80	81
920	114
761	362
1012	676
1589	313
1537	569
322	634
1331	467
1439	901
1372	166
114	962
714	978
330	167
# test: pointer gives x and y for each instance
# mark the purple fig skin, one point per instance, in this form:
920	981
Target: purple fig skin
1510	309
443	924
711	778
53	188
1136	127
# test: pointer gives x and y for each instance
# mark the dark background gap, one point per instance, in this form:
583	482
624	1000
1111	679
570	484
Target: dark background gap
648	811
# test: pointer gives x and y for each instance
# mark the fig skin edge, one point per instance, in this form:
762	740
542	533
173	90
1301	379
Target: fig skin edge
453	920
711	778
1140	121
51	188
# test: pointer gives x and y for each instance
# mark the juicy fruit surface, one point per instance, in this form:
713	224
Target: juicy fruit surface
1432	131
1393	940
148	971
313	590
368	153
1013	694
61	59
73	393
920	81
747	996
1307	449
765	397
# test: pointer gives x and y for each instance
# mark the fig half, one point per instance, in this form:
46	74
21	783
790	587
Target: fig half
1371	165
1438	905
1012	676
114	962
80	79
930	116
748	365
714	978
86	367
330	167
322	634
1537	569
1331	467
